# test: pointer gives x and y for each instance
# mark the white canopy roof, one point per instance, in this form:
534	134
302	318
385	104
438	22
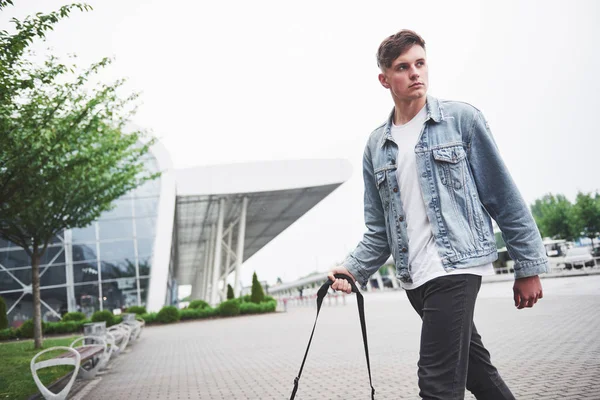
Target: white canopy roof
278	193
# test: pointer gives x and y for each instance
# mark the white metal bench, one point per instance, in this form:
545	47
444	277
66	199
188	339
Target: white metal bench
97	360
70	356
122	335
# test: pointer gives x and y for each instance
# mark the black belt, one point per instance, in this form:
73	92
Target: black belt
361	311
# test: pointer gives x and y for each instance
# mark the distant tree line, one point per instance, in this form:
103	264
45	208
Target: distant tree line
558	218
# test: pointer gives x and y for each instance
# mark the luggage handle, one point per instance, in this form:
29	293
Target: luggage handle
361	311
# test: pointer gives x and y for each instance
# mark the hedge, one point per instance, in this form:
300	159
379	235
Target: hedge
73	316
26	330
253	308
240	306
137	310
167	315
229	308
64	327
8	334
200	304
192	313
104	315
149	318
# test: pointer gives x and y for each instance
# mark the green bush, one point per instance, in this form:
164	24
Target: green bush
149	318
104	315
249	308
8	334
229	308
230	294
269	306
137	310
257	295
26	330
189	313
3	317
210	312
64	327
117	319
201	304
253	308
167	315
246	299
192	313
73	316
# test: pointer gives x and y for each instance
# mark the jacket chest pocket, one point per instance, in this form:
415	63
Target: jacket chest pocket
382	187
450	162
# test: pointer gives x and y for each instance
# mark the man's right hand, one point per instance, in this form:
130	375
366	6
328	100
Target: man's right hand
340	284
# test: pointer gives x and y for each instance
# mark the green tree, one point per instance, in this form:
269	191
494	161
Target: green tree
230	294
257	295
3	317
64	157
587	215
554	217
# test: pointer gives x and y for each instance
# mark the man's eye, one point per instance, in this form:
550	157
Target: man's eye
420	63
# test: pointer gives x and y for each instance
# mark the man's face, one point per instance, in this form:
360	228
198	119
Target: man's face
408	77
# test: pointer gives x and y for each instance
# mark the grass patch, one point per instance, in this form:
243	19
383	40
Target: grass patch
16	381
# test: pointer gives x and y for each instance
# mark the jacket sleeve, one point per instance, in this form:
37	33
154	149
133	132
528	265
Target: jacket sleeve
373	250
503	201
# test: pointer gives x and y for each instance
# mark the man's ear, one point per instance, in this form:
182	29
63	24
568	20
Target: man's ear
383	81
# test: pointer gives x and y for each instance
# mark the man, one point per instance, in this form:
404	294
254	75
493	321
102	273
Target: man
433	178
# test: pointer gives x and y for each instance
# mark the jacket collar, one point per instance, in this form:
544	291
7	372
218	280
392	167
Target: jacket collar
434	112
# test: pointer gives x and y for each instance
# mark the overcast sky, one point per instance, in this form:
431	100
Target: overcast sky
235	81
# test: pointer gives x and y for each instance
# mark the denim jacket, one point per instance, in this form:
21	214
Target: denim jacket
464	183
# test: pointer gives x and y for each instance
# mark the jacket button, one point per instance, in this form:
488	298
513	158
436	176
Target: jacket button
395	190
401	218
393	161
404	250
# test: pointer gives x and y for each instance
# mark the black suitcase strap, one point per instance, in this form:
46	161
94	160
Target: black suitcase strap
361	311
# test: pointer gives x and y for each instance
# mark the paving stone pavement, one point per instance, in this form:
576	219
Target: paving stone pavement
549	352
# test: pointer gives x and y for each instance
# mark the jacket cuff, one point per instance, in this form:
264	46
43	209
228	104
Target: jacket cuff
357	271
524	269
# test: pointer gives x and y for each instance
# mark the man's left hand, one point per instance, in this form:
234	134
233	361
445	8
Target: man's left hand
527	291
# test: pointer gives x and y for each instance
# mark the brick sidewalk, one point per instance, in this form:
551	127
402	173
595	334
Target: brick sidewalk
549	352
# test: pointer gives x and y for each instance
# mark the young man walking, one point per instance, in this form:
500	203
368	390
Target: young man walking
433	180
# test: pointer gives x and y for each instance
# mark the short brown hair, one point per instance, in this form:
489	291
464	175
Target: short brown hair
393	47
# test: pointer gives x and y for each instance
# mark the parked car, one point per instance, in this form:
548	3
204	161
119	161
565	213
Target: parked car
577	257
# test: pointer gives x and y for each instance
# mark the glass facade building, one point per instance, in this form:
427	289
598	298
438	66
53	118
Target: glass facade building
103	266
191	228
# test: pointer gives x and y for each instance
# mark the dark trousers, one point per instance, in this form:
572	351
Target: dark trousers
452	355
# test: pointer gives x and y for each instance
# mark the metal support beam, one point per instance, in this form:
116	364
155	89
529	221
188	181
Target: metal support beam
227	261
198	275
99	265
240	246
68	243
207	267
231	226
230	253
218	247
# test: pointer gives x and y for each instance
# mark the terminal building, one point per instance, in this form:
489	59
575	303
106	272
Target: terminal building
193	226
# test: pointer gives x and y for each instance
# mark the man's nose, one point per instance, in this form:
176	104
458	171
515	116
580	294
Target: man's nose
414	74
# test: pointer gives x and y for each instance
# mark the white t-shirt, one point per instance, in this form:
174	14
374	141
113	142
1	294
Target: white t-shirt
423	255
